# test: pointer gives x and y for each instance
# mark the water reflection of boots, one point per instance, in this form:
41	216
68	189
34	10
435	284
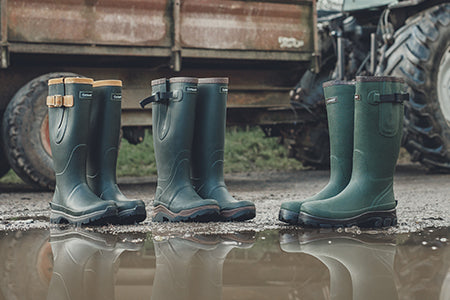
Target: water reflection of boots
207	266
173	257
358	265
101	269
82	266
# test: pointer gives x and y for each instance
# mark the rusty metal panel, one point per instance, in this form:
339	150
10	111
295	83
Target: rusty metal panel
103	22
248	25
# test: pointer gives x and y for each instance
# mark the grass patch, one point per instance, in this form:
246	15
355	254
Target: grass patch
246	149
10	177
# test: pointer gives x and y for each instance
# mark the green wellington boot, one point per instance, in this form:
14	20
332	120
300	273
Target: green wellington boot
69	104
360	267
173	129
208	150
75	263
368	200
339	99
104	135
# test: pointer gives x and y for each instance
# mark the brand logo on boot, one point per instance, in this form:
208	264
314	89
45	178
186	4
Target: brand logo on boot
116	97
191	89
224	89
85	95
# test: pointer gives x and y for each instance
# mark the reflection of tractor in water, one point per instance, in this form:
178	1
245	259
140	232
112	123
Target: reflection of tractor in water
408	39
263	46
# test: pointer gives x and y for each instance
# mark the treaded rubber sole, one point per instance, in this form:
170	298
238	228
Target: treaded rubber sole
372	219
207	213
238	214
133	215
288	216
102	217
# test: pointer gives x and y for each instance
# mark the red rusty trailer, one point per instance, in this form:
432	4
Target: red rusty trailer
262	46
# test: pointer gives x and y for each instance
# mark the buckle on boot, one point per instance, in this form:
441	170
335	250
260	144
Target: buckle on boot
60	101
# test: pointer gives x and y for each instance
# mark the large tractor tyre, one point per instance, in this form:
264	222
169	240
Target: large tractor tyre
25	133
4	164
421	55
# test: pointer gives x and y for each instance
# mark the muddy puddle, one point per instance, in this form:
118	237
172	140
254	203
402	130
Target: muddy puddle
82	264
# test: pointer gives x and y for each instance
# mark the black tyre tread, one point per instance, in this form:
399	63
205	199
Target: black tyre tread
11	129
415	57
4	164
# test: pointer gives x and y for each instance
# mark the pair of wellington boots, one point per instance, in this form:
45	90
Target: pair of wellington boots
360	267
84	129
365	120
189	117
85	263
192	267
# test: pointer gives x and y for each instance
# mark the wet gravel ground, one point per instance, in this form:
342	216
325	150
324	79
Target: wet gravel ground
423	202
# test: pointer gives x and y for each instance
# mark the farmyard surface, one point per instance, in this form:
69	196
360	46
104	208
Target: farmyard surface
423	202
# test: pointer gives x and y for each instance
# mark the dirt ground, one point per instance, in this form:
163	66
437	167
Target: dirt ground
423	201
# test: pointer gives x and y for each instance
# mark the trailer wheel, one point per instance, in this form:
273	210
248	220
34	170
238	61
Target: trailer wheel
4	164
421	55
25	133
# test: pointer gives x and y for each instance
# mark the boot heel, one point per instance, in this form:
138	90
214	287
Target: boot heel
200	214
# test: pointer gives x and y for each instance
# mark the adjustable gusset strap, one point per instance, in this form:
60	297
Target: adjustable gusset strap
60	101
394	98
158	97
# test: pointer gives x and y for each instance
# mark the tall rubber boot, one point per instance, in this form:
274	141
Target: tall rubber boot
360	267
69	104
173	259
208	150
206	269
339	99
368	200
72	252
104	135
101	270
173	129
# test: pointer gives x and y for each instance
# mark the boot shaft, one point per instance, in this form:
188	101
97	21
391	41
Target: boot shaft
339	99
173	123
378	125
210	125
69	108
104	131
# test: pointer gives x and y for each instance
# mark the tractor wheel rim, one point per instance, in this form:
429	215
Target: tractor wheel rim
443	85
45	136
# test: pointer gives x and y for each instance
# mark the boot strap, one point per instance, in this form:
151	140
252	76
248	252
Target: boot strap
394	98
375	98
60	101
176	95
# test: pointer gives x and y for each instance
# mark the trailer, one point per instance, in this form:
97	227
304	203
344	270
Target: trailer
262	46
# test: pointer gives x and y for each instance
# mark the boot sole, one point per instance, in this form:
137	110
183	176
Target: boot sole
373	219
205	213
238	214
288	216
132	215
102	217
